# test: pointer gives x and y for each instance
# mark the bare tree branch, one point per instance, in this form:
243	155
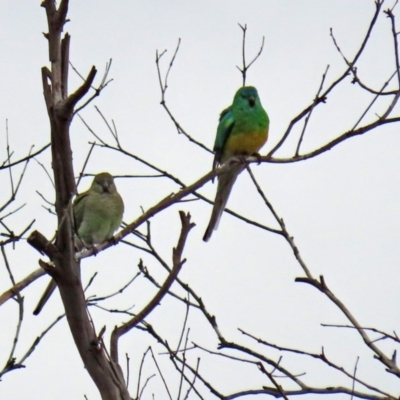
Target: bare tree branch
177	265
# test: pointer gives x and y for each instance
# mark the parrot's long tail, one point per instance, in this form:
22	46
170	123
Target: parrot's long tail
46	295
225	184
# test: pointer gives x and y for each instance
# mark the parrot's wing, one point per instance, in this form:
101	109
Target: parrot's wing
79	207
225	126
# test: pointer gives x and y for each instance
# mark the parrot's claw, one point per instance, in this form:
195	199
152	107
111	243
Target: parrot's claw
242	158
113	241
94	250
258	156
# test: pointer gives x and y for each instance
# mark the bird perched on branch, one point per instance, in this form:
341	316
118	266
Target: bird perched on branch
97	214
242	130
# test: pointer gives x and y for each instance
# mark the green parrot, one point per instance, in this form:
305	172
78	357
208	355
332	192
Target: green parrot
242	130
97	214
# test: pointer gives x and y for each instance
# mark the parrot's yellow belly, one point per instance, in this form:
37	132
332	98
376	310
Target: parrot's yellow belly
245	143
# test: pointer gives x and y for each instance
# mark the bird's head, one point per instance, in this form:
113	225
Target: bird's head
103	183
247	95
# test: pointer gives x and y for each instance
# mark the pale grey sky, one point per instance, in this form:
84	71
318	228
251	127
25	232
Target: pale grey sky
342	207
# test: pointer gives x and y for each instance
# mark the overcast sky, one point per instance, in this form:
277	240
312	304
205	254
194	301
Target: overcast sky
341	207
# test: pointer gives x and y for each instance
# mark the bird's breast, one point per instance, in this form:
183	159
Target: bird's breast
245	143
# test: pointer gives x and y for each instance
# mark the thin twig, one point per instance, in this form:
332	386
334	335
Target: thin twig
164	86
315	102
354	377
161	374
246	67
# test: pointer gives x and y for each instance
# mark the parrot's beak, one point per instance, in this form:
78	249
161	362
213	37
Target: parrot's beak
252	101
